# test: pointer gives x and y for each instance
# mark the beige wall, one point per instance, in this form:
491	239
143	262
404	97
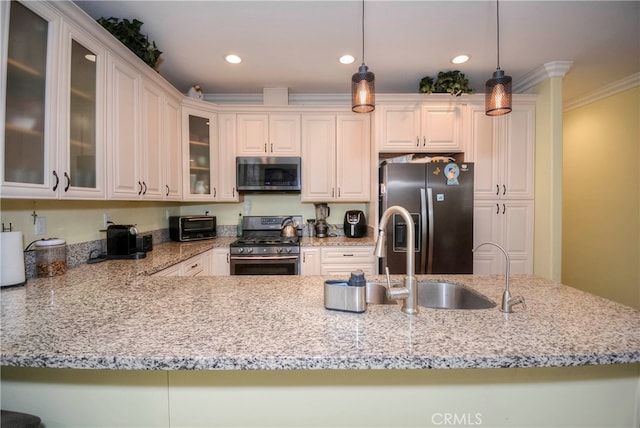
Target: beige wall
601	202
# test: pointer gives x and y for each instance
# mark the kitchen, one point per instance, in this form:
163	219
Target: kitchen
88	215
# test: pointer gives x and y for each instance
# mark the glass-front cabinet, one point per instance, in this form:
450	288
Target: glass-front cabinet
52	140
200	148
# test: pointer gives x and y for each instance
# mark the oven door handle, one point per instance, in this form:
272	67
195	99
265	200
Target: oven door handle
264	257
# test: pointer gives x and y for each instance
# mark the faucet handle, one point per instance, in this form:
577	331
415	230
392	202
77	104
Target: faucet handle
518	300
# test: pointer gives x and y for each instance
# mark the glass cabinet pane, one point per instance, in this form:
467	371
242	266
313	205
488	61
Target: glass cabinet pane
25	112
199	155
82	124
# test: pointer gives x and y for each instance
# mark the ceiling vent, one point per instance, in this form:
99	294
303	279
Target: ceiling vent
275	96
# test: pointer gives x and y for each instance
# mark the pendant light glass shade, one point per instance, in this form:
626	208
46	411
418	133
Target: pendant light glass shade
363	95
498	88
498	94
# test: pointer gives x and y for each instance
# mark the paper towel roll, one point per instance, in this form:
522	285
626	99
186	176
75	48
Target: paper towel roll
12	257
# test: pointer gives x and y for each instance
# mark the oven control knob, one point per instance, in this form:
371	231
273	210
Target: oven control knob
278	250
249	250
288	250
240	250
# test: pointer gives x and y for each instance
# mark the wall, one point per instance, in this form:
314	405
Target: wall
81	221
601	203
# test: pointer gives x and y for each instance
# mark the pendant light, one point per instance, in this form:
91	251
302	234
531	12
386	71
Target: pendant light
498	88
363	97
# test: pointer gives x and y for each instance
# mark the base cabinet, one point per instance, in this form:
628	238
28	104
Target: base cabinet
342	261
220	262
199	265
310	261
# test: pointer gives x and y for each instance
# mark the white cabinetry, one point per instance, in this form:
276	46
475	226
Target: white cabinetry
172	144
342	261
422	127
198	265
275	134
335	157
53	136
220	261
310	261
199	153
502	149
226	191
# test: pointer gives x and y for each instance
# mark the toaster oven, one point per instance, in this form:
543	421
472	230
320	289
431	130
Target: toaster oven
192	228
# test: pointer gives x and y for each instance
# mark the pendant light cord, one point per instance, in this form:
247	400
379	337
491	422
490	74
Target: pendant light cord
363	31
498	32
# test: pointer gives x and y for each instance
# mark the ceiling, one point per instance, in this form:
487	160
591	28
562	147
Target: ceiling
296	44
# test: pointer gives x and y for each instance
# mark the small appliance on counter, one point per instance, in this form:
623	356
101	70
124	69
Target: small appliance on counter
122	242
11	259
355	224
322	227
192	227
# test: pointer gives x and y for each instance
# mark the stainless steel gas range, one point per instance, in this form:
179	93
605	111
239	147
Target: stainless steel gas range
263	251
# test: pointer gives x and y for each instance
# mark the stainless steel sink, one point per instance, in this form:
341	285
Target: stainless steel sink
376	293
450	295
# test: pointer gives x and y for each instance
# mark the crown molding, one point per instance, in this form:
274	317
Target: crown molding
604	92
540	74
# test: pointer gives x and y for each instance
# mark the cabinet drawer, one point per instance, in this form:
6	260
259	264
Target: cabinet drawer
194	266
348	255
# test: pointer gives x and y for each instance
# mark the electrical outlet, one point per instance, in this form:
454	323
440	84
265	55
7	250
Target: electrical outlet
41	226
105	220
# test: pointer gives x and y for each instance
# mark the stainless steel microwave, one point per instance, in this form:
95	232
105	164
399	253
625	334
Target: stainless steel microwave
268	174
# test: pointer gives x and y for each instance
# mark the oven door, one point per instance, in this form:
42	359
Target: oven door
264	265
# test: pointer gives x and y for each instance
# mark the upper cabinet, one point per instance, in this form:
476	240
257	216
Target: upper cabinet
53	139
420	127
336	157
199	153
502	149
273	134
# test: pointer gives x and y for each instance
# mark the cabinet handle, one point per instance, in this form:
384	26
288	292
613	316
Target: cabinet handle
140	191
504	189
497	208
347	255
265	147
504	208
194	266
227	258
233	192
304	257
55	186
424	141
167	186
68	177
333	192
417	141
497	189
271	147
214	192
338	192
144	183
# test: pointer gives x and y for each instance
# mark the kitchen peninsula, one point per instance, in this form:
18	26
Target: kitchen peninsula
165	349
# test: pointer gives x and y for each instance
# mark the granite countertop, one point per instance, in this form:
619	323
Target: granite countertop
339	240
114	315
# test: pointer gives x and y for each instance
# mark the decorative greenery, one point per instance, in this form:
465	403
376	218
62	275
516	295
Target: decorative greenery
453	82
128	32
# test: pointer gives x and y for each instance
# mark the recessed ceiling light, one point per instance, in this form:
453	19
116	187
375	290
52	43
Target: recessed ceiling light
460	59
233	59
347	59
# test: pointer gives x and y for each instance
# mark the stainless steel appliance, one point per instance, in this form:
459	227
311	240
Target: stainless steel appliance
268	174
355	224
322	212
262	250
122	242
439	197
192	227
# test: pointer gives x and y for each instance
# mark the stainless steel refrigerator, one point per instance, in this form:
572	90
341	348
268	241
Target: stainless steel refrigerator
439	197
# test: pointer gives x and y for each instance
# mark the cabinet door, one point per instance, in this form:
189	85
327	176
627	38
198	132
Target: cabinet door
484	152
29	139
441	128
221	265
253	134
353	157
226	189
82	151
318	157
310	261
125	180
284	135
172	150
344	260
151	142
199	154
518	152
400	128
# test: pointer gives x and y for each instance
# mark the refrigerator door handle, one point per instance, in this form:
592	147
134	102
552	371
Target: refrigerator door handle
426	208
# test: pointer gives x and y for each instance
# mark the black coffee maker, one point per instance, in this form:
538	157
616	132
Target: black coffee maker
122	242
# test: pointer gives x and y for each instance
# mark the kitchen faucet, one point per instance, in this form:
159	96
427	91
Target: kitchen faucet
508	302
409	292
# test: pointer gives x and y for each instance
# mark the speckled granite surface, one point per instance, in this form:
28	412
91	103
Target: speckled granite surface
113	315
